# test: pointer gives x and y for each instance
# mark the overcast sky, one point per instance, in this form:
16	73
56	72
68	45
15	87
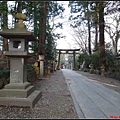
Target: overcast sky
67	42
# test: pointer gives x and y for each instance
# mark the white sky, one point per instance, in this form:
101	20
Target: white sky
68	42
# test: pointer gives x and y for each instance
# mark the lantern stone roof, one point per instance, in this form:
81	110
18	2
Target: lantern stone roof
19	31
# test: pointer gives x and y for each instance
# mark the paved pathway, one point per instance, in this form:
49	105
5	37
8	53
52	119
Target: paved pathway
92	100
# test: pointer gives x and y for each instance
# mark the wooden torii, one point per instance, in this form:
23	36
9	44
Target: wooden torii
67	52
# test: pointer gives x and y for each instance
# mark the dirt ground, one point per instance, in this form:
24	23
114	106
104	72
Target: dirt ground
108	82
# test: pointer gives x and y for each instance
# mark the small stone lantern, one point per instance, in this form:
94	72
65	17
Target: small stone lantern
91	69
18	92
102	70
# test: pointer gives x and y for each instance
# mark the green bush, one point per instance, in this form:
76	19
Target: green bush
95	60
3	62
30	68
4	73
112	65
111	62
84	57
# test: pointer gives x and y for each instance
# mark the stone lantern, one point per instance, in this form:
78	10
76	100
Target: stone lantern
91	69
18	92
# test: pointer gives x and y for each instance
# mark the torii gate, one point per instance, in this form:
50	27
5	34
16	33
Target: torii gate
67	52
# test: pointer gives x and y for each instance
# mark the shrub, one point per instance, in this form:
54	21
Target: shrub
5	74
110	61
30	68
84	57
95	60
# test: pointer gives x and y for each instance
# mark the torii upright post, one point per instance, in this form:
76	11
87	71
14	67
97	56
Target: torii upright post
59	60
73	60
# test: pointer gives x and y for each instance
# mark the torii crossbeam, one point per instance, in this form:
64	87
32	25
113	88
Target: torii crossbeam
67	52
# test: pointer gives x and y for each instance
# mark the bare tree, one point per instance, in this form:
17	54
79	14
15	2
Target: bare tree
113	30
80	37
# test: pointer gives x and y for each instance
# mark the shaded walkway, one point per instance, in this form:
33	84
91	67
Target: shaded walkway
92	100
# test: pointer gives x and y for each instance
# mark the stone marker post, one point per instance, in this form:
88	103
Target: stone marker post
41	71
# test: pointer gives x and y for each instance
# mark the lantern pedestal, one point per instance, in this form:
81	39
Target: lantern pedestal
19	94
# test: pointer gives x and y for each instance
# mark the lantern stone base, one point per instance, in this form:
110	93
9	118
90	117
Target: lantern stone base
19	94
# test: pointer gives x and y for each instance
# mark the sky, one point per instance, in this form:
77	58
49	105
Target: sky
67	42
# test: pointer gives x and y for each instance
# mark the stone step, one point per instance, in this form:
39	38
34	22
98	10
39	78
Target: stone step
20	93
22	102
17	85
34	97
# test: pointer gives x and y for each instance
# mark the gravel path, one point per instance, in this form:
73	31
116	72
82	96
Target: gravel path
55	103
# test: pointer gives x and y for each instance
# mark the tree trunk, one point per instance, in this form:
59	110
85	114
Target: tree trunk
89	37
42	28
89	33
96	37
115	47
96	27
5	26
19	7
35	44
101	34
116	42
